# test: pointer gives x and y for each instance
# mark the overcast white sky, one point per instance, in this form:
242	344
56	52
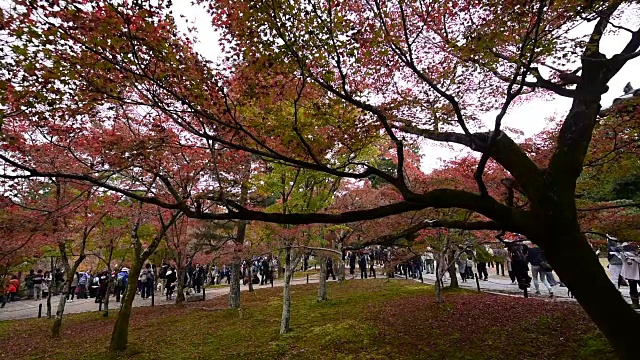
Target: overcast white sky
530	117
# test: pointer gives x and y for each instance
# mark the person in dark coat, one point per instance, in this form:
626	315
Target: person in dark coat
362	263
330	269
352	264
171	276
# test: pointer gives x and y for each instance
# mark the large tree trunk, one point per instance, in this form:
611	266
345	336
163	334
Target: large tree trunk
579	268
322	283
234	289
120	334
286	293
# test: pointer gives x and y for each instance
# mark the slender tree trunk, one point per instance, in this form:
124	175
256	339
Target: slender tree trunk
53	281
579	268
107	296
120	334
452	271
71	272
250	271
180	287
439	297
286	294
343	268
234	289
322	284
280	257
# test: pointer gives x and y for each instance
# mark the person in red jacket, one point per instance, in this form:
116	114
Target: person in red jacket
14	285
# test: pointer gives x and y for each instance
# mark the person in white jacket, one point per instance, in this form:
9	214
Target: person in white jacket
631	272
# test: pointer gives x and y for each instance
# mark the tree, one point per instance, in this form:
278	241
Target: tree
353	73
163	220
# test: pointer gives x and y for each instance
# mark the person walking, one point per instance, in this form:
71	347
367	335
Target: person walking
539	265
38	281
362	264
198	276
429	260
462	266
14	285
500	258
352	264
121	283
73	286
264	271
372	269
615	261
151	279
28	281
631	272
143	278
82	285
330	269
172	278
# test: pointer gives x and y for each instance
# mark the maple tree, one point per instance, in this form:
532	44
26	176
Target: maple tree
311	85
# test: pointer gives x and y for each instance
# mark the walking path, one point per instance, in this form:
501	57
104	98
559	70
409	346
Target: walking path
496	285
502	285
23	309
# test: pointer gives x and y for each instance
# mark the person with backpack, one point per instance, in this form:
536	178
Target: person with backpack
121	283
519	265
142	281
539	268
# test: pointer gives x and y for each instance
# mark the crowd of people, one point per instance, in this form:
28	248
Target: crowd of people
515	260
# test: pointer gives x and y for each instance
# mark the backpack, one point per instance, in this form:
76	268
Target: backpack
120	280
143	275
163	272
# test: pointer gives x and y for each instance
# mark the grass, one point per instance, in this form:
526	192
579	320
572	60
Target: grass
372	319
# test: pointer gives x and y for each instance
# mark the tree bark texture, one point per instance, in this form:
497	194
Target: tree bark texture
71	272
572	258
286	294
53	281
120	334
250	273
234	289
322	283
180	287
